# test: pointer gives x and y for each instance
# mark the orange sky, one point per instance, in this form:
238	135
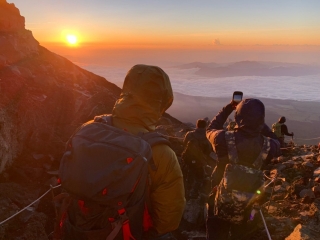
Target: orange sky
174	24
209	30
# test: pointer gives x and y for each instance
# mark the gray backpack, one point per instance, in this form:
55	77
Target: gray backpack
105	170
240	185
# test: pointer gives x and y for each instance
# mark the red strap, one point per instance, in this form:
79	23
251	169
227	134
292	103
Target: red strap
147	221
82	207
125	227
126	231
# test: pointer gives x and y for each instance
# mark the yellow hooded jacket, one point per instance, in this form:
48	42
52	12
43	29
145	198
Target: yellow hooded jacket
145	96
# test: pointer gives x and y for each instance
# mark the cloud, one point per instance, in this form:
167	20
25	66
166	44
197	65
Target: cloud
217	42
186	81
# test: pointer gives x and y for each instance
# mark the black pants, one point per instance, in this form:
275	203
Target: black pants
282	143
218	229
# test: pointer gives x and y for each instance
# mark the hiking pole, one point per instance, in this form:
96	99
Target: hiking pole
265	225
274	184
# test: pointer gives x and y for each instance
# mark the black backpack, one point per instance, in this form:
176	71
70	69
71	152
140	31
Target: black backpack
241	185
195	152
105	171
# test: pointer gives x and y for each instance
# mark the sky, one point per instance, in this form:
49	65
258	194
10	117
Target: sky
248	26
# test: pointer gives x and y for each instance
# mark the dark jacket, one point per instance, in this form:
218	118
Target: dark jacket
198	134
284	130
250	127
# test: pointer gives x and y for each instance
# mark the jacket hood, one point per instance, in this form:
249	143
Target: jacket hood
145	96
249	116
282	120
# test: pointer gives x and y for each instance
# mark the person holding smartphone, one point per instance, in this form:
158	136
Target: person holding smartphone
250	134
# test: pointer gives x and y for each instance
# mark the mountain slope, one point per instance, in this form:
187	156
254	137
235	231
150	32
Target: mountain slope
44	96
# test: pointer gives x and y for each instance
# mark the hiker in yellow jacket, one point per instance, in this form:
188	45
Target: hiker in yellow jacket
146	95
280	130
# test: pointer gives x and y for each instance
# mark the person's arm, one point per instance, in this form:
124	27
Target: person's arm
167	199
186	139
267	132
284	130
218	121
216	137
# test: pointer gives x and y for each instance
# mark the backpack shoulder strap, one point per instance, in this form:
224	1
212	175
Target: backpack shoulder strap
232	149
106	118
154	138
263	154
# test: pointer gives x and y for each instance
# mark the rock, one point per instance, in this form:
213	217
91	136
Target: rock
307	164
42	85
306	193
309	157
279	188
272	209
3	61
280	167
316	172
274	172
302	233
316	190
10	18
289	163
298	158
315	209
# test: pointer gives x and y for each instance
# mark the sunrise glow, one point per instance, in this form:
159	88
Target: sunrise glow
72	39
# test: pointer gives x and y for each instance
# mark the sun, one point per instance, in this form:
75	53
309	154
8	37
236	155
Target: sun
72	39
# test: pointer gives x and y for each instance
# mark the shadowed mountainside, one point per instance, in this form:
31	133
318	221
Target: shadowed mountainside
44	96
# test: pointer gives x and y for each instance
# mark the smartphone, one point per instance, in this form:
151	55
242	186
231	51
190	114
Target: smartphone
237	96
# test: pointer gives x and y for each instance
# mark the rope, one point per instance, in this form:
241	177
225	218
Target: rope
30	204
268	177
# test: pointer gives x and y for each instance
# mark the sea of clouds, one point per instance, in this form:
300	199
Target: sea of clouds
302	88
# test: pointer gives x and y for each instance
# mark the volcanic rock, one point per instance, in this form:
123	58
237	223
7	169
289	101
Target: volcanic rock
44	97
302	233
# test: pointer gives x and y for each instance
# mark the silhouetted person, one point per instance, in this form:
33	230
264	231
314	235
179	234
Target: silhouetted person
196	157
280	130
251	146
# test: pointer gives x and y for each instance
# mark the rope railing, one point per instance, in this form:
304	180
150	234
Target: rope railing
25	208
270	178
